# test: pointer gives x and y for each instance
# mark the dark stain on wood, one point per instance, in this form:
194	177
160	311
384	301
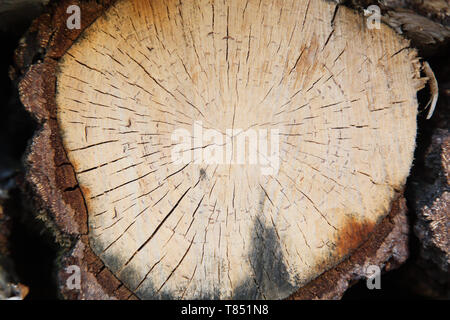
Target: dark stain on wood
352	235
270	275
329	284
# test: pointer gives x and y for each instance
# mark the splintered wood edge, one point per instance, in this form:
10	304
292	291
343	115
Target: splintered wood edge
53	180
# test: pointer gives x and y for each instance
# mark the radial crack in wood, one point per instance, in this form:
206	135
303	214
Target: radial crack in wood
335	100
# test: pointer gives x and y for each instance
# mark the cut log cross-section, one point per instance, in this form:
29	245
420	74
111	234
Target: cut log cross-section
336	100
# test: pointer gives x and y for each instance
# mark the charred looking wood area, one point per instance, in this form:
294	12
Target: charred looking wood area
410	243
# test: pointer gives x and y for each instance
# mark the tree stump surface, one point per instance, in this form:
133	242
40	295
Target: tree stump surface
110	96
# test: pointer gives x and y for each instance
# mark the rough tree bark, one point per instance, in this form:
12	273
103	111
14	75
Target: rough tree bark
109	96
430	271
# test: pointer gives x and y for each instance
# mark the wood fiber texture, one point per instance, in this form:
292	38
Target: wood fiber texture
342	97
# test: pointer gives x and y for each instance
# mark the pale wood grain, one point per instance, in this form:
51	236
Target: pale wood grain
342	96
